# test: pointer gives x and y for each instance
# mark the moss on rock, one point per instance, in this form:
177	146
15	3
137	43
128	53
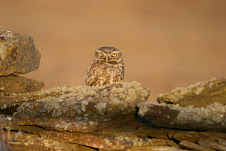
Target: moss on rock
82	108
16	84
18	54
200	94
211	117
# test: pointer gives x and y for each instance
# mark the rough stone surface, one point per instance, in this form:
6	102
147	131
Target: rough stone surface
156	148
222	142
128	136
114	137
85	109
17	84
18	54
20	141
9	104
200	94
211	117
104	118
191	136
211	143
193	146
4	144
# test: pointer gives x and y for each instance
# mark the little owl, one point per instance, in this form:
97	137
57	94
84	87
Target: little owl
106	68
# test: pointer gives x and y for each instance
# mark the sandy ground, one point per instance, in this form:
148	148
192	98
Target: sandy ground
165	44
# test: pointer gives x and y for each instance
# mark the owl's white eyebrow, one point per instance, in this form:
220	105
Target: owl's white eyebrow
115	52
100	51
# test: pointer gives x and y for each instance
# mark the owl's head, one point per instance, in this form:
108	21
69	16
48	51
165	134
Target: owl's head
108	55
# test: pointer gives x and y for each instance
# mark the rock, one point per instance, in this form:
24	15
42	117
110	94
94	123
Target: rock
211	117
125	136
211	143
154	132
105	118
32	137
4	145
190	136
112	138
164	142
20	141
201	94
222	142
215	134
27	147
155	148
193	146
18	54
9	104
17	84
84	108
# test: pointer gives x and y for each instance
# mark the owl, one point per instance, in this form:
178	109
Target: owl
106	68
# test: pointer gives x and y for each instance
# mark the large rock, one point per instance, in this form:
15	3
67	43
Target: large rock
127	136
20	141
193	146
18	54
102	118
16	84
200	94
211	117
201	106
84	108
112	138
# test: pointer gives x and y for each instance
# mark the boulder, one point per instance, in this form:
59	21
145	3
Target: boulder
193	146
200	94
201	106
156	148
18	54
212	143
108	118
128	136
21	141
211	117
83	108
16	84
114	137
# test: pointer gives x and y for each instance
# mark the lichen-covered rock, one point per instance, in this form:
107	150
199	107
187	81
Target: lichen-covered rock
17	84
128	136
84	108
211	117
18	54
193	146
156	148
4	143
197	95
114	137
212	143
190	136
21	141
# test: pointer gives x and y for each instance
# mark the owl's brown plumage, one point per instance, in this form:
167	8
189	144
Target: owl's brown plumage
106	68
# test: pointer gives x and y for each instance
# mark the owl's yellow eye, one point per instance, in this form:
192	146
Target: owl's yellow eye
114	55
100	54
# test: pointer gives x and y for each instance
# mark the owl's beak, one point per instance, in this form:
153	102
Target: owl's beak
106	59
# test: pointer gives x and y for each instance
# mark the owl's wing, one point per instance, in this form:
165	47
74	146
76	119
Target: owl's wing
90	76
90	81
123	71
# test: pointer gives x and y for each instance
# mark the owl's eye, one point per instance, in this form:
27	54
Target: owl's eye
114	55
100	54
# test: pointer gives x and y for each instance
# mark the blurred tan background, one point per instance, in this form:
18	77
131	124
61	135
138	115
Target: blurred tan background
165	43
